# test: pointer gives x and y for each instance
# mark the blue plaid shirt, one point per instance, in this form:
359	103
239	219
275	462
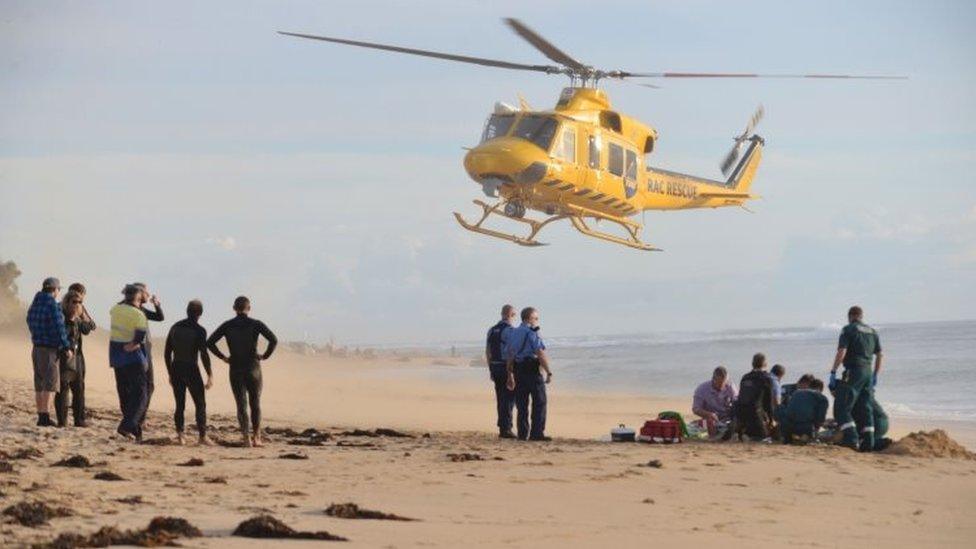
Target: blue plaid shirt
46	322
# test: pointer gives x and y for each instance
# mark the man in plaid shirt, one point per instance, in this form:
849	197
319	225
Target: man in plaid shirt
46	323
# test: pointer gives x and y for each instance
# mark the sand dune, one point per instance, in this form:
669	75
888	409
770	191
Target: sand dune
571	492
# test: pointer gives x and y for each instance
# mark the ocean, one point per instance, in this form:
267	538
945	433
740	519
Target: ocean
929	369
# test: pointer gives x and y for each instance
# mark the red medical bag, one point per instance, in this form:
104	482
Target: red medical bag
667	431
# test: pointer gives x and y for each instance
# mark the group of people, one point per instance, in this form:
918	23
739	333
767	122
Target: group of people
763	408
57	329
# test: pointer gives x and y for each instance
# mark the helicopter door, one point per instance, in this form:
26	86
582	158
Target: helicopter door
594	165
565	150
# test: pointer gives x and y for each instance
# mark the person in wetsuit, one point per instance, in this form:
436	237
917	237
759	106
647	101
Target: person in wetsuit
186	340
242	334
754	408
152	315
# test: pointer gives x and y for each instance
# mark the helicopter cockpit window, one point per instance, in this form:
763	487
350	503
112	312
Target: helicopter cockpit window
631	172
615	160
537	129
497	126
566	148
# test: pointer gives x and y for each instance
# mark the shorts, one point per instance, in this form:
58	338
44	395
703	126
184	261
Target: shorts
47	374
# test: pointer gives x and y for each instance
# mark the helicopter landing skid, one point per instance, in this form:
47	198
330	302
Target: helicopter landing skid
498	209
579	223
632	229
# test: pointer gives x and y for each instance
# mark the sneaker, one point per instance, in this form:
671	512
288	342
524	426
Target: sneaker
205	441
45	421
506	434
882	444
180	439
540	439
81	423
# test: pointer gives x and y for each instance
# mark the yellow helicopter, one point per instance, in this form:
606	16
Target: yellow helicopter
584	160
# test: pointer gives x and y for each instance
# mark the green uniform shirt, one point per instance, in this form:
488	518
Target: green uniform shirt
861	342
807	406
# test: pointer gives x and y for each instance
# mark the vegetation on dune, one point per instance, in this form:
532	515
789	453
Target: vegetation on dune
10	307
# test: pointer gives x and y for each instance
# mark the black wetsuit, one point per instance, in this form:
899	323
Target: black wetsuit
754	407
152	316
242	334
186	340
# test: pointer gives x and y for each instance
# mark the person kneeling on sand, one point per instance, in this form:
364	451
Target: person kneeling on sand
242	334
805	413
714	401
526	359
881	442
186	340
127	356
754	408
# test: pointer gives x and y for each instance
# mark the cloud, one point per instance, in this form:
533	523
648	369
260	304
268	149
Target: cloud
226	243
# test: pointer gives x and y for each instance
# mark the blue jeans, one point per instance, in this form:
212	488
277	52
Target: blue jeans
529	384
131	384
504	399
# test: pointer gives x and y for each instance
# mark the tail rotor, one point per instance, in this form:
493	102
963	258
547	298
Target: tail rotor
733	156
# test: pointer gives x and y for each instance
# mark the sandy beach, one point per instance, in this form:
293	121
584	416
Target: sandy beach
574	491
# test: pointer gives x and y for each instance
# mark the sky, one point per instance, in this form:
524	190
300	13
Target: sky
187	145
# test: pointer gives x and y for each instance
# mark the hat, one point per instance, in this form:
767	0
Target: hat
51	283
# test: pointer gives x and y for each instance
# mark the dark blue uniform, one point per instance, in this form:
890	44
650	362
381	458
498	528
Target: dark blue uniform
504	399
522	345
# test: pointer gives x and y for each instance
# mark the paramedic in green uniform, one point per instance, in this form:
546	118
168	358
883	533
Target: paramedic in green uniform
805	413
881	442
858	344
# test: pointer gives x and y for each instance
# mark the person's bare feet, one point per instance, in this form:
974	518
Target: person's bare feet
257	440
247	440
205	441
180	439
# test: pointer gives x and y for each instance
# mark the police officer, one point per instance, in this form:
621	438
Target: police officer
504	397
525	355
855	389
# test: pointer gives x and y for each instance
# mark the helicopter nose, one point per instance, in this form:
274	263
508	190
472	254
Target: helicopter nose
506	160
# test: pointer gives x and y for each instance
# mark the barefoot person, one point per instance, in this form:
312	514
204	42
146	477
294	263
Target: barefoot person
46	323
504	397
187	339
526	360
86	325
69	368
242	334
858	345
127	356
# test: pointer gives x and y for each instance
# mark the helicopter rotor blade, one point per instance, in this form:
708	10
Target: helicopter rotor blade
733	155
543	45
548	69
625	74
